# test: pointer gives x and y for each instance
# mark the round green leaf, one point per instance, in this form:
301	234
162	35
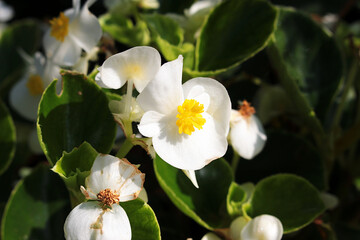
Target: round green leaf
207	204
144	224
284	153
80	113
37	208
313	63
7	138
235	31
288	197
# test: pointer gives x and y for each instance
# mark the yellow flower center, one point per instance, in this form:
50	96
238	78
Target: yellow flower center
59	27
190	116
35	85
107	197
246	110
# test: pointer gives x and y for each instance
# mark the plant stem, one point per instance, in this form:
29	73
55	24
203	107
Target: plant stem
235	161
125	148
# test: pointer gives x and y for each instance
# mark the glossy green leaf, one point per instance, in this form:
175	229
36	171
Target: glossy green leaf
284	153
314	64
235	198
80	113
288	197
143	221
74	167
37	208
235	31
25	35
123	30
207	204
7	138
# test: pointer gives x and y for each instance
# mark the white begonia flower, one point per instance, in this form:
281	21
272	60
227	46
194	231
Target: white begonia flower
118	109
6	12
111	180
188	123
25	95
265	227
138	66
75	29
210	236
247	135
82	65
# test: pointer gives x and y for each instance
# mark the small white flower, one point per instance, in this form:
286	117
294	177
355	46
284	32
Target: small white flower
210	236
26	93
6	12
74	30
137	65
265	227
111	181
247	135
188	123
118	109
82	65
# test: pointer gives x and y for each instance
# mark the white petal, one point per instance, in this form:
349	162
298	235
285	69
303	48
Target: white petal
190	152
164	93
6	12
89	221
99	81
198	93
150	124
23	102
85	29
248	137
138	63
210	236
192	176
62	53
109	172
264	227
143	195
220	105
236	227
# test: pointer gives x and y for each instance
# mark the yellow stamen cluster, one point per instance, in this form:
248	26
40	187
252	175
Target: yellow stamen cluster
59	27
190	116
35	85
107	197
246	110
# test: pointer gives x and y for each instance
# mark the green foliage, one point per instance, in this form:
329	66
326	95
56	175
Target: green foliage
288	197
7	138
143	221
206	205
80	113
235	198
37	207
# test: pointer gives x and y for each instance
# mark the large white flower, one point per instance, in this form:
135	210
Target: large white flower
74	30
111	181
188	123
138	66
247	136
26	93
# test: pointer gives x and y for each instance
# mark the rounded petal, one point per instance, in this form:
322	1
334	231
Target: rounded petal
220	105
164	93
23	102
236	227
109	172
85	29
265	227
138	63
89	221
247	137
150	124
62	53
192	176
210	236
190	152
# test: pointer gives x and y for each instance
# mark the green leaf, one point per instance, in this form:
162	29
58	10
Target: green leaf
234	200
313	64
74	167
284	153
206	205
288	197
25	35
37	208
144	224
80	113
7	138
123	30
234	31
321	7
